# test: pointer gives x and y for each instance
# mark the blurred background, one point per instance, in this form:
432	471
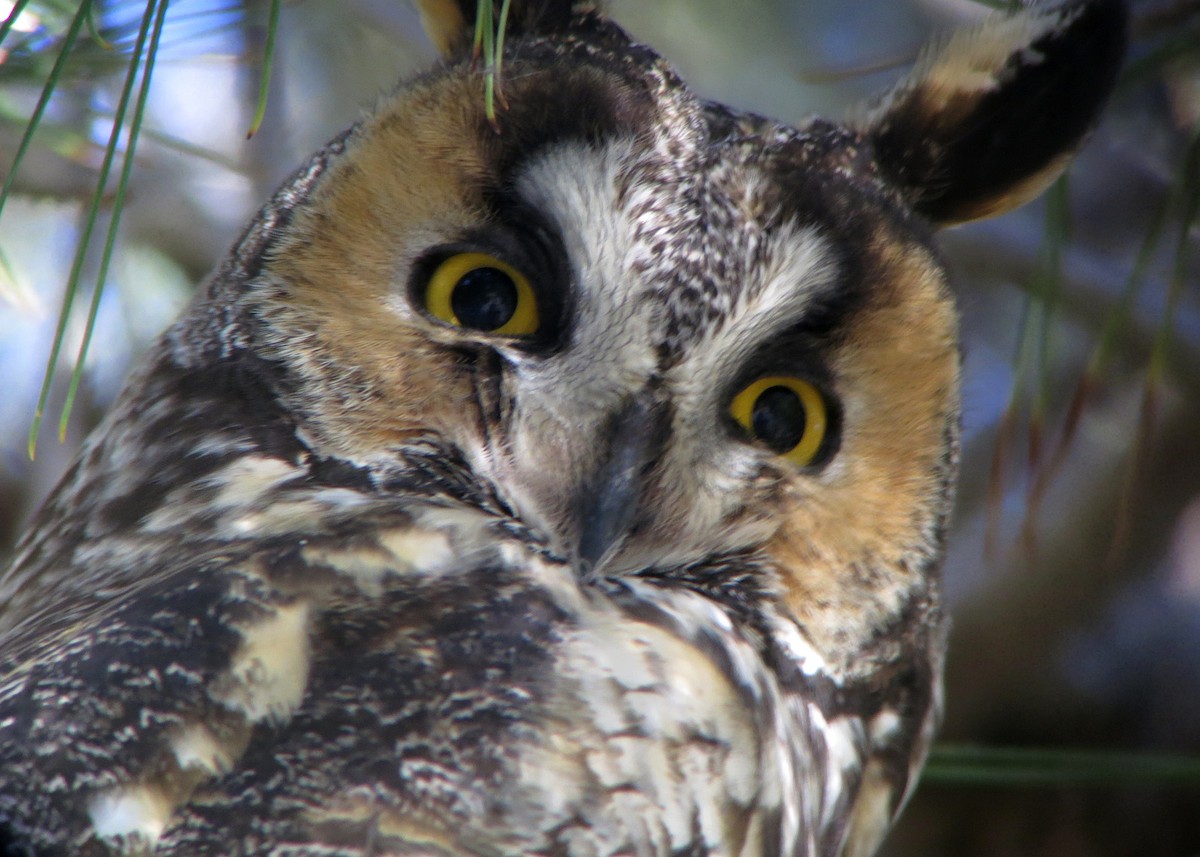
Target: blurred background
1074	565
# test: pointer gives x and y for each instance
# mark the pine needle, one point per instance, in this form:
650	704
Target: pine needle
489	45
94	31
81	16
961	764
84	242
264	81
160	8
13	15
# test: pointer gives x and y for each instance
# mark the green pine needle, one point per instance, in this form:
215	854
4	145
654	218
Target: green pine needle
94	31
264	81
961	764
160	9
483	20
81	16
498	65
84	242
489	45
141	57
17	9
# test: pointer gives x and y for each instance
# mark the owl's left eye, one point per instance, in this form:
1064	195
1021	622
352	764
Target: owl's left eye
788	415
480	292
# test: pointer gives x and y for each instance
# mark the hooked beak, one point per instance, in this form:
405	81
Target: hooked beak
609	502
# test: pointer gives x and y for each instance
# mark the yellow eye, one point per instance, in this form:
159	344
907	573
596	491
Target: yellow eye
787	415
479	291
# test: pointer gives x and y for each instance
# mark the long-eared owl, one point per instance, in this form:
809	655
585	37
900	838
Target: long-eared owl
573	484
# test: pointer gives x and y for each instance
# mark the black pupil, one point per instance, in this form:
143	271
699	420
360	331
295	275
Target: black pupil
484	299
778	418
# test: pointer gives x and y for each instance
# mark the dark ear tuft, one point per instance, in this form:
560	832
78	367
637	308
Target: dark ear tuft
987	122
451	23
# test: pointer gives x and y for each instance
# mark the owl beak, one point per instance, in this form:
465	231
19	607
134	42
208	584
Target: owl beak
609	502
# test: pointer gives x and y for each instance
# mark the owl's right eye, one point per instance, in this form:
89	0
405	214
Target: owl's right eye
480	292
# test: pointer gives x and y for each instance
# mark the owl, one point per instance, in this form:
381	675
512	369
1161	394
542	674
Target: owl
570	485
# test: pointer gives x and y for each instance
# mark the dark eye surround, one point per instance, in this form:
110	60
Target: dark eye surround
789	415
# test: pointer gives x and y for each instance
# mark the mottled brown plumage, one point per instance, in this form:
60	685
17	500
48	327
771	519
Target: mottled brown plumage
575	489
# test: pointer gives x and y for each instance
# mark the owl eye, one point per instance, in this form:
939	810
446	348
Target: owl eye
787	415
480	292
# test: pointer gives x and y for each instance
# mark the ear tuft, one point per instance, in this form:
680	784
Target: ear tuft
987	122
450	24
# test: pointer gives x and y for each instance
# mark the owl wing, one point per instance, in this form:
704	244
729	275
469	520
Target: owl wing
230	664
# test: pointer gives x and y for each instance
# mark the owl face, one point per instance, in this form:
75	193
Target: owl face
659	341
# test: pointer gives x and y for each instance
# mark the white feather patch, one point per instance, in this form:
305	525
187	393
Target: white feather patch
270	670
136	814
400	551
196	747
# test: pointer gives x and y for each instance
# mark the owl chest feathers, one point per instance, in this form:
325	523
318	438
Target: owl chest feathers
444	679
